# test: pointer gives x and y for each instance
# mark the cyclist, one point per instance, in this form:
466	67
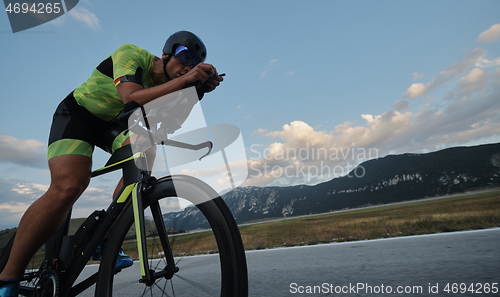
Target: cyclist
129	76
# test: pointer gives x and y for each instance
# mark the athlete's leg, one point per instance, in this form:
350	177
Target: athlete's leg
70	176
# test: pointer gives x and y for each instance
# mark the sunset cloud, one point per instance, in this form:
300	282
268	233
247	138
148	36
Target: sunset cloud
28	152
452	71
302	153
491	35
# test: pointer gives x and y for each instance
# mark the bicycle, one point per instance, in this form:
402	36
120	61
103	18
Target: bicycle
67	255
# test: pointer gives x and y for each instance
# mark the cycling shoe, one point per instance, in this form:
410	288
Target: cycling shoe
9	288
123	261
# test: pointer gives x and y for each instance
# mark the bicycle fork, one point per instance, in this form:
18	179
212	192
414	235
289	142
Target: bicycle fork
149	276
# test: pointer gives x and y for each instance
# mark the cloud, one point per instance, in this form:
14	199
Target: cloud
81	15
29	152
401	105
476	80
18	195
259	131
14	201
301	153
485	63
94	198
14	207
417	75
34	190
21	192
491	35
454	70
416	90
85	16
270	66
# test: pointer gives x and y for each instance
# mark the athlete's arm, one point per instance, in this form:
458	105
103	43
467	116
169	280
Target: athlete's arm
201	74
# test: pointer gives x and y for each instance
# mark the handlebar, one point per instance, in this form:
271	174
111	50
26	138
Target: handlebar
160	117
193	147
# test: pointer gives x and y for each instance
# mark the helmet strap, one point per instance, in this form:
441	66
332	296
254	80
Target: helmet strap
165	61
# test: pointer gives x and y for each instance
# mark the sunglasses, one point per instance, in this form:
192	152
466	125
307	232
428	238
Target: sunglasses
187	58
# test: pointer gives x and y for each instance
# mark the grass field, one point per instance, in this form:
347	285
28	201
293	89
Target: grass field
464	212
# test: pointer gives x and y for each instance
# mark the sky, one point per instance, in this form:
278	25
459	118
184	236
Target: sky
316	87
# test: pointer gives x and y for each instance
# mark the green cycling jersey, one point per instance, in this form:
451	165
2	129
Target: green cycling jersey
129	63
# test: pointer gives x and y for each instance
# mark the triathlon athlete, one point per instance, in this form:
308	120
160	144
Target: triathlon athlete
130	76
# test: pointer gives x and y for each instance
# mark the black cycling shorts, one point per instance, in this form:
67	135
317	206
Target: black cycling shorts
76	131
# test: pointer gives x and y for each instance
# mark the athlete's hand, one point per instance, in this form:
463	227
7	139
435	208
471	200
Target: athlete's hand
210	84
204	77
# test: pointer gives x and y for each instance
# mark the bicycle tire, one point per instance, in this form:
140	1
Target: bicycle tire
232	271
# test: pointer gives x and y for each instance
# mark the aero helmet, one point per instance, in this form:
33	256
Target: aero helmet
187	39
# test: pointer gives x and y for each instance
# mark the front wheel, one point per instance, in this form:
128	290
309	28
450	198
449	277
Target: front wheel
221	270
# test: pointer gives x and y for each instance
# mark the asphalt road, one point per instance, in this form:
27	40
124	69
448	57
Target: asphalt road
449	264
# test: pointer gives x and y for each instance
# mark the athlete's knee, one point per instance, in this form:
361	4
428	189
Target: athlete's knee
67	191
70	177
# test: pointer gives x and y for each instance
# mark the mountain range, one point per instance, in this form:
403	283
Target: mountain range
393	178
